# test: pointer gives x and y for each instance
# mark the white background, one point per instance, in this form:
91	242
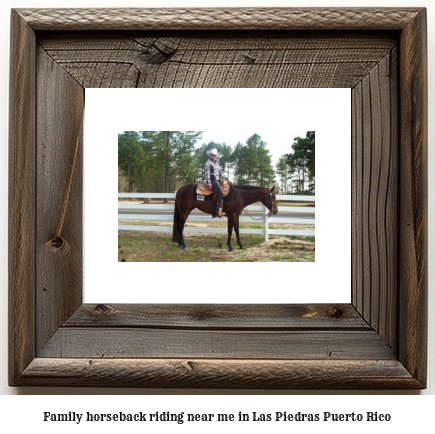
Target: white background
326	111
413	413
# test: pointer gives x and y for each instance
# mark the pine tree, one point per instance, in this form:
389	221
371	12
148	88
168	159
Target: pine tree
282	170
301	163
253	162
131	158
172	156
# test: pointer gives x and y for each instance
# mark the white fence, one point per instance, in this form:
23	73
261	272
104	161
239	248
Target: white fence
168	211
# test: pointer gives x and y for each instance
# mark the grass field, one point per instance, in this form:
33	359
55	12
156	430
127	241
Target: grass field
135	246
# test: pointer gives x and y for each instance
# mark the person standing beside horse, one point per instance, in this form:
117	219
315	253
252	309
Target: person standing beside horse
214	173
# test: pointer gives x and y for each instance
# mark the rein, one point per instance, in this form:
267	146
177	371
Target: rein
236	195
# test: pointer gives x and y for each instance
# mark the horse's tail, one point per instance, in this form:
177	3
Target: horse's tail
175	230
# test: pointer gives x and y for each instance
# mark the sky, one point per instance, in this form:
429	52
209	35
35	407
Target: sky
278	142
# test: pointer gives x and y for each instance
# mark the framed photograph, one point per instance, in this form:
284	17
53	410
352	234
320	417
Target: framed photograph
227	116
377	341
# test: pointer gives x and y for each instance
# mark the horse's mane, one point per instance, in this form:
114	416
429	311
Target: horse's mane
250	187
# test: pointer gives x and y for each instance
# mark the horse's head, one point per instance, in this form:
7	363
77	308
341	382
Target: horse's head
271	202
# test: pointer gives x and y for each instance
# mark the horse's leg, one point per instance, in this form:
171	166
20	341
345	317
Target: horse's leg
236	230
230	231
181	223
176	225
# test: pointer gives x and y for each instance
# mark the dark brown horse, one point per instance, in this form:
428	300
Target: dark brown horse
240	197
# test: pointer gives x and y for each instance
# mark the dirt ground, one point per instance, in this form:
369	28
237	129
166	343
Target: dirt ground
269	251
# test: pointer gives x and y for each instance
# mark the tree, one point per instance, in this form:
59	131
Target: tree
262	166
301	163
172	156
225	157
282	171
131	158
157	160
122	181
253	162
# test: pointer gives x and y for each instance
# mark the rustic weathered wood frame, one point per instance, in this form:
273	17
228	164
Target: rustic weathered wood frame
377	341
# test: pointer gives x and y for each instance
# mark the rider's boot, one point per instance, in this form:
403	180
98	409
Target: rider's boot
215	212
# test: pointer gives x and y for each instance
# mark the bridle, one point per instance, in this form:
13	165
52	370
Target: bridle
246	212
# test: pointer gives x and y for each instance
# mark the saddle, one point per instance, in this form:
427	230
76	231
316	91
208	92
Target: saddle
203	190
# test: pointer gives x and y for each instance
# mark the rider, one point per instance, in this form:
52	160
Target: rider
213	173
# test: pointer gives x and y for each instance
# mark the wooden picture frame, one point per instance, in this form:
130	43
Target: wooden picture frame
378	341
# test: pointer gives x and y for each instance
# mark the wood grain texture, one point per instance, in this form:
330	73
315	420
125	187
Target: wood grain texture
378	342
220	18
375	198
59	277
227	374
413	187
21	197
252	317
266	344
235	60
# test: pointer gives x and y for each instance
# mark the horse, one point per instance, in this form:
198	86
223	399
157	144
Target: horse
240	197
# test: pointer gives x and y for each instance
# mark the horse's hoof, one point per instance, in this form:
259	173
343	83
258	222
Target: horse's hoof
231	249
184	248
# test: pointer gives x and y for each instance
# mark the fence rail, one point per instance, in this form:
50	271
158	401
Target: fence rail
168	209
